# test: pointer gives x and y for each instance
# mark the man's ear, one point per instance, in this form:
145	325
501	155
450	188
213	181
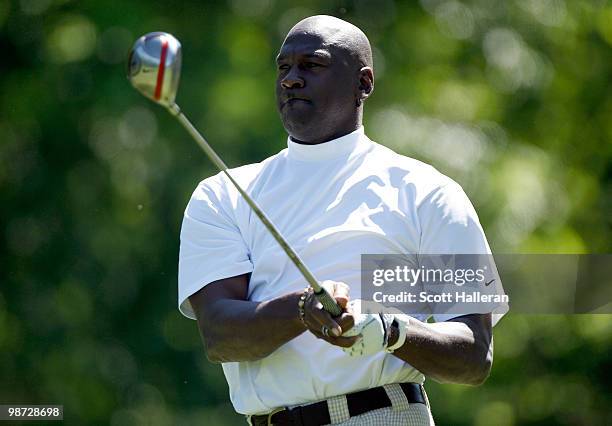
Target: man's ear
366	82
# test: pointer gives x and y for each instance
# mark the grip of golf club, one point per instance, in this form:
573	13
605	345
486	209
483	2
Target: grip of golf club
329	304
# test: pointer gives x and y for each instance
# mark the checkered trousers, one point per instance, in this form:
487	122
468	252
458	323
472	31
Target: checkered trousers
401	413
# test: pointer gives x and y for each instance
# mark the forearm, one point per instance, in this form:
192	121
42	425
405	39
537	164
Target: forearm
239	330
449	351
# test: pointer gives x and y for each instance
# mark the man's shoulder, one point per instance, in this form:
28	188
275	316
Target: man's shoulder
244	175
424	177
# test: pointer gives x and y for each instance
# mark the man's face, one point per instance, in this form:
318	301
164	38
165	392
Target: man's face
316	88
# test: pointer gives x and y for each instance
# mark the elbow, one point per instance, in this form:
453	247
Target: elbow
213	359
215	346
214	356
219	350
475	375
480	374
218	354
481	367
214	342
211	348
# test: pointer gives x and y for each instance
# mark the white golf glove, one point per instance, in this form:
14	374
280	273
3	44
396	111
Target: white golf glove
373	327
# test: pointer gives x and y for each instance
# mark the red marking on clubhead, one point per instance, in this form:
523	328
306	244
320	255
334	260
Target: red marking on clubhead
161	70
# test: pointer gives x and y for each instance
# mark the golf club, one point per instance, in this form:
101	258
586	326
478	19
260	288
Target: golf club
154	68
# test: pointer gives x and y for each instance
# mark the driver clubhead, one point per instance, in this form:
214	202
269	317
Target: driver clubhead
154	67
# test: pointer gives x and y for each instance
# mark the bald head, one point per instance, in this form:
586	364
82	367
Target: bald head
339	34
324	76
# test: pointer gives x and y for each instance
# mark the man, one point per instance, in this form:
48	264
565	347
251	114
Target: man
335	195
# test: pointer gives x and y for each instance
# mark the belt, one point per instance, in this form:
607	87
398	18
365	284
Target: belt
318	414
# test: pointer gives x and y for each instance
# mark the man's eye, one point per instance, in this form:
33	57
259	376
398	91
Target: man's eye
312	65
283	67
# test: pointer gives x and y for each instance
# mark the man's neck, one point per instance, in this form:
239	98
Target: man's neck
324	139
344	130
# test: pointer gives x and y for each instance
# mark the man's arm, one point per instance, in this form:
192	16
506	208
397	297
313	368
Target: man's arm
234	329
457	351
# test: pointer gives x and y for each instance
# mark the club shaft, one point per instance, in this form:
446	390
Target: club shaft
324	297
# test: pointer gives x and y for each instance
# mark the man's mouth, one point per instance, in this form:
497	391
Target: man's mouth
294	101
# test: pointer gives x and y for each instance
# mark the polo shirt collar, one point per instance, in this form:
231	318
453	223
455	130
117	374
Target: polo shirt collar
333	149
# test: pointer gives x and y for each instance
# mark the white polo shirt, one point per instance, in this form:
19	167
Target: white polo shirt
332	202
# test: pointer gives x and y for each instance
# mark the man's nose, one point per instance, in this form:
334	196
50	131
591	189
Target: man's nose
292	80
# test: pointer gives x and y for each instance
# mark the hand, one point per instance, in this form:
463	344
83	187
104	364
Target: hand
320	323
370	326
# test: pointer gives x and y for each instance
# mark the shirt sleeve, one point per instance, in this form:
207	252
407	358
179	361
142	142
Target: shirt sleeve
450	226
212	247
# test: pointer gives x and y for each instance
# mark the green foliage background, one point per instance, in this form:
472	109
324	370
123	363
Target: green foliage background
512	99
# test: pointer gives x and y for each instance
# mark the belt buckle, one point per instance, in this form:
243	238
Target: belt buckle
276	410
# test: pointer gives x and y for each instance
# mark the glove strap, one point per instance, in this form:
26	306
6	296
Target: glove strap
402	327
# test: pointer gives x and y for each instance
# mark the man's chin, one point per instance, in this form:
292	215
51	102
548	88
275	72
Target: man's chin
299	128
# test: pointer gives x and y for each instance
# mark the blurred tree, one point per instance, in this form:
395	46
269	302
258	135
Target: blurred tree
513	100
